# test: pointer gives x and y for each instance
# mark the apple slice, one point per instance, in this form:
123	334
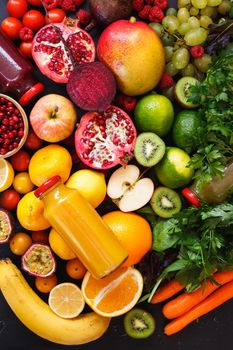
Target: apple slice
128	190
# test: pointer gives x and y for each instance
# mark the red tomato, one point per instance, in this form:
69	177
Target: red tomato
33	19
25	48
17	8
40	237
33	142
9	199
55	16
20	160
36	3
11	26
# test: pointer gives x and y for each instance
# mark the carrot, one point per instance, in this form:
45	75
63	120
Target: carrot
168	290
187	301
216	299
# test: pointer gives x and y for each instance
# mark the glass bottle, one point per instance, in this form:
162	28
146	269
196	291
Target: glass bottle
81	227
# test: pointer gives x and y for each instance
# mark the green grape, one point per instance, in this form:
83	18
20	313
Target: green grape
183	15
188	71
158	28
167	39
183	3
194	22
202	63
224	7
195	36
184	28
169	51
209	11
170	23
169	92
199	4
180	58
171	69
193	11
171	11
205	21
213	2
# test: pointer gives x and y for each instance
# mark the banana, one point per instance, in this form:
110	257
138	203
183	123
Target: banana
36	315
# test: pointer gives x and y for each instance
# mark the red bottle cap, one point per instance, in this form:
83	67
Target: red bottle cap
46	185
191	197
32	92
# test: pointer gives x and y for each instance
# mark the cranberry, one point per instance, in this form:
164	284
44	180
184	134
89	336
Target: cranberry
5	121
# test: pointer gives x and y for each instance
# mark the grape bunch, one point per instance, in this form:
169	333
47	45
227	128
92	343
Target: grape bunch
184	30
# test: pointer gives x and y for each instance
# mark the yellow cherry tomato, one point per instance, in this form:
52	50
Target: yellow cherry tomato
22	183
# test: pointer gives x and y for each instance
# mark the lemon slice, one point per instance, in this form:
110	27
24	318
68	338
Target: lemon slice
6	174
66	300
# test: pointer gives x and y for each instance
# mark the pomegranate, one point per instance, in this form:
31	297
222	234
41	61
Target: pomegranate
39	260
106	139
6	225
58	47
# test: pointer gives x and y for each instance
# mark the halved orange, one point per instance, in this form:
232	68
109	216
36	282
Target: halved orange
114	294
66	300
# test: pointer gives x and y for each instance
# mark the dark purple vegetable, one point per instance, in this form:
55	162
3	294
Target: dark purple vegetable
219	36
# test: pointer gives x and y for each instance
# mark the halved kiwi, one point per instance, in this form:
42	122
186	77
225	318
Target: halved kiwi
182	91
139	323
165	202
149	149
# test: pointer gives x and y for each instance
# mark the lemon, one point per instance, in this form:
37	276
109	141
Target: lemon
91	184
6	174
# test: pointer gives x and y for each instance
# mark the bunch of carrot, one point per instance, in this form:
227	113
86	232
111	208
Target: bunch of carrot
187	307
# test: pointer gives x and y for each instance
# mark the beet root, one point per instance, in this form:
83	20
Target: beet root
92	86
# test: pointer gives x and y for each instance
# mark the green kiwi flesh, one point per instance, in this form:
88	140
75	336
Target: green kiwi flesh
165	202
149	149
139	323
182	91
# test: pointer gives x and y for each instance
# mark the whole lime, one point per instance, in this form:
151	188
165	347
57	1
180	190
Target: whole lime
188	130
173	170
154	113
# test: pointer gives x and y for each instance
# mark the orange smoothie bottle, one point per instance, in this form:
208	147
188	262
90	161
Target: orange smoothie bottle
81	227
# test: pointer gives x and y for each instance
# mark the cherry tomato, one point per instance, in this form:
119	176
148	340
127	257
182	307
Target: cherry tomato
11	26
46	284
25	48
20	243
75	269
17	8
33	142
20	160
36	3
40	237
55	16
9	199
22	183
33	19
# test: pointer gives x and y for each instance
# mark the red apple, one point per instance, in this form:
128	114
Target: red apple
53	118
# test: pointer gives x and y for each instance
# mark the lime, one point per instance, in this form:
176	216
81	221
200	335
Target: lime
154	113
173	170
188	129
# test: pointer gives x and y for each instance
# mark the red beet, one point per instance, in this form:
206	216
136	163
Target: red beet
92	86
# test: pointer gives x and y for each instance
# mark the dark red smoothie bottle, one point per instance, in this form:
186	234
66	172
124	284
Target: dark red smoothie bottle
16	73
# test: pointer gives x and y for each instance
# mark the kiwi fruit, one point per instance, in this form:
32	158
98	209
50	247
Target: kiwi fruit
139	323
165	202
182	91
149	149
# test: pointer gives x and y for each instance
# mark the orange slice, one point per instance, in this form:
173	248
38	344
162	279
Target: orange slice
6	174
66	300
114	294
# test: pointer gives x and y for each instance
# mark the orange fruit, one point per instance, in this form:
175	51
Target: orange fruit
50	161
75	269
46	284
59	246
6	174
66	300
114	294
133	232
30	213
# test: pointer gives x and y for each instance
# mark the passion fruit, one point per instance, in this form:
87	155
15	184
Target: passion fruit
6	225
39	261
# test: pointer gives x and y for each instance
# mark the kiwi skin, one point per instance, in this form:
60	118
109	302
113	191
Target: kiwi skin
139	323
165	195
156	154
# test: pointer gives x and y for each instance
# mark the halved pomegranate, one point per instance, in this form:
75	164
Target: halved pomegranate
39	260
6	225
106	139
58	47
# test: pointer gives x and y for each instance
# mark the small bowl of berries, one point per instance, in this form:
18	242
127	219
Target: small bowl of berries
13	126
